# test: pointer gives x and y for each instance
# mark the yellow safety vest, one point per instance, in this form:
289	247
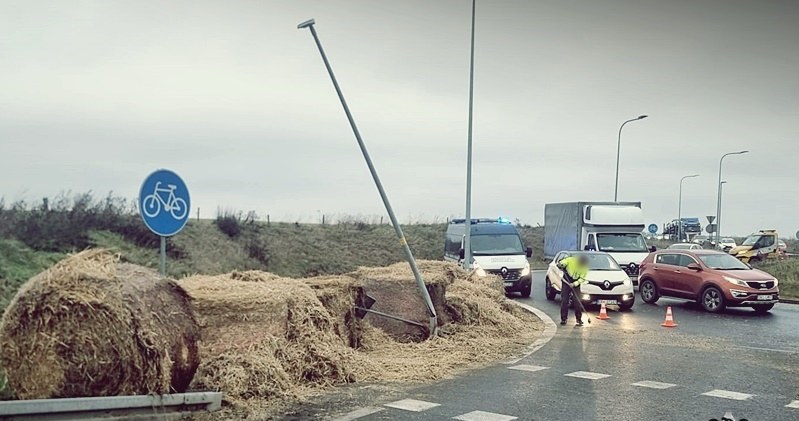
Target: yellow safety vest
575	270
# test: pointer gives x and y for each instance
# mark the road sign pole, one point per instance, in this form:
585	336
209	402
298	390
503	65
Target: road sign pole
467	241
163	256
433	318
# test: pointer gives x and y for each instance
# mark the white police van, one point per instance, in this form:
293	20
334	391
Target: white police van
497	249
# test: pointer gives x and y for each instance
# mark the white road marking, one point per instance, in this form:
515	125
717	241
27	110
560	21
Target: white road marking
726	394
484	416
794	404
588	375
412	405
359	413
549	332
654	385
787	351
527	367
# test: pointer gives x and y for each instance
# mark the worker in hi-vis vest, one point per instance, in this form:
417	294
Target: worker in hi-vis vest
575	269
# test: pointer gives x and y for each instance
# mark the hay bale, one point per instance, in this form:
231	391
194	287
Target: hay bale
268	338
340	295
395	291
91	326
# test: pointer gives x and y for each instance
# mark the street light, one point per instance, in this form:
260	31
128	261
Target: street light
718	201
679	208
467	240
618	155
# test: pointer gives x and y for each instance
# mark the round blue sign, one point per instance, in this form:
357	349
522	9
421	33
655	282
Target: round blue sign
164	203
653	228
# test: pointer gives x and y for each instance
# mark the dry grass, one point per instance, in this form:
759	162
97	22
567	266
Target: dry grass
90	326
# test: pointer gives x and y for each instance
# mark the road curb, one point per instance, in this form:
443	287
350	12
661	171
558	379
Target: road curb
549	331
789	301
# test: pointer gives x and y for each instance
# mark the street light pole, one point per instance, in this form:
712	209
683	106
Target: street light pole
467	240
618	155
679	208
718	200
433	317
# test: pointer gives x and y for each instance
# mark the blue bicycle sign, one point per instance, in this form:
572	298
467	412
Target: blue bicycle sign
164	203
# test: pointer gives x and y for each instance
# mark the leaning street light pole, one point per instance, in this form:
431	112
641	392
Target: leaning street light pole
433	318
467	240
718	201
618	155
679	208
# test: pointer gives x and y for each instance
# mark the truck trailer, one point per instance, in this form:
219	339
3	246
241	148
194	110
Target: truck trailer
613	227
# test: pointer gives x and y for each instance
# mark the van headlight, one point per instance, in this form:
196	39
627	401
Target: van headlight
735	281
526	270
628	282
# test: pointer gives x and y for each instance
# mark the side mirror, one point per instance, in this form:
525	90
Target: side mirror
653	249
529	252
694	266
462	254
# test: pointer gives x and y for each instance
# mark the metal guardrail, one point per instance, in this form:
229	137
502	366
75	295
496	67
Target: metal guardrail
139	407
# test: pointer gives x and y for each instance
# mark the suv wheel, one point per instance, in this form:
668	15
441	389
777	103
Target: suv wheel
649	291
712	300
550	292
763	309
526	290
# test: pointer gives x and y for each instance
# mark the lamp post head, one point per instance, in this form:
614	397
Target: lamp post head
306	24
741	152
641	117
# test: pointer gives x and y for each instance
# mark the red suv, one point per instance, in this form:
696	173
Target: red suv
712	278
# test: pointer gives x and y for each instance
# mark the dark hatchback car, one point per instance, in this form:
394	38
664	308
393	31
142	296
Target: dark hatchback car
713	279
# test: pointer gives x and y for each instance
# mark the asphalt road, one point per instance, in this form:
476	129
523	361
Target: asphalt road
710	364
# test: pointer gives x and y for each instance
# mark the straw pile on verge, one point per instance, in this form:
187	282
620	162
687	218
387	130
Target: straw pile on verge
91	326
271	337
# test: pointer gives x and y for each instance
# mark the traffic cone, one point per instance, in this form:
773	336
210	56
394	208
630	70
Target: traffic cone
603	313
669	322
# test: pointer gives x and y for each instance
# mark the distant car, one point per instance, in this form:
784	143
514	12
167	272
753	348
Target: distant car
712	278
728	244
607	283
685	246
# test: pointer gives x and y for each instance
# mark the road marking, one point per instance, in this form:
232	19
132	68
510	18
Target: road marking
549	332
359	413
794	404
527	367
412	405
588	375
787	351
484	416
654	385
726	394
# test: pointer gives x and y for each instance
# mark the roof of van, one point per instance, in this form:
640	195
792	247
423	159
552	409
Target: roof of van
484	226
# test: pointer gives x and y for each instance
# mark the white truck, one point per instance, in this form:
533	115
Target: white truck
613	227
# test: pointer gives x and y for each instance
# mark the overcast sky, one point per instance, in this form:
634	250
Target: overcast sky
94	95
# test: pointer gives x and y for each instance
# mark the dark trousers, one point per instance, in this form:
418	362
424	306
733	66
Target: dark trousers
565	292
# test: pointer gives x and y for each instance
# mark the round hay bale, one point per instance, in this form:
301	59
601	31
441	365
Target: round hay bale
90	326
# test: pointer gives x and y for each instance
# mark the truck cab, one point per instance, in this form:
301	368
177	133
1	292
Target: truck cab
497	249
759	246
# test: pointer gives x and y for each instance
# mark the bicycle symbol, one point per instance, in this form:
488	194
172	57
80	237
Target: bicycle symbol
174	205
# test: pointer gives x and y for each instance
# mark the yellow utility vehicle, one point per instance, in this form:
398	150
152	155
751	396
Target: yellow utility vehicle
762	245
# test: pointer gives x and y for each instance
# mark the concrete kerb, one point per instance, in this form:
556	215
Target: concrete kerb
789	301
549	331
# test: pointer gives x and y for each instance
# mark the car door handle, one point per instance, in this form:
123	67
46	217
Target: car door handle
677	271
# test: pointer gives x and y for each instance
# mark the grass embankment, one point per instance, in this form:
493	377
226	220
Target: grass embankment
787	272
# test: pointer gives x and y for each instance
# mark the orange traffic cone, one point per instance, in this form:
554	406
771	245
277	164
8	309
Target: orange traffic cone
603	313
669	322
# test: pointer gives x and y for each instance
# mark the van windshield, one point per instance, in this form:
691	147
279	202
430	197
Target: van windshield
622	242
496	244
751	240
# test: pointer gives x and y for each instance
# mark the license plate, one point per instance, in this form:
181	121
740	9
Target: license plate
765	297
508	284
606	302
